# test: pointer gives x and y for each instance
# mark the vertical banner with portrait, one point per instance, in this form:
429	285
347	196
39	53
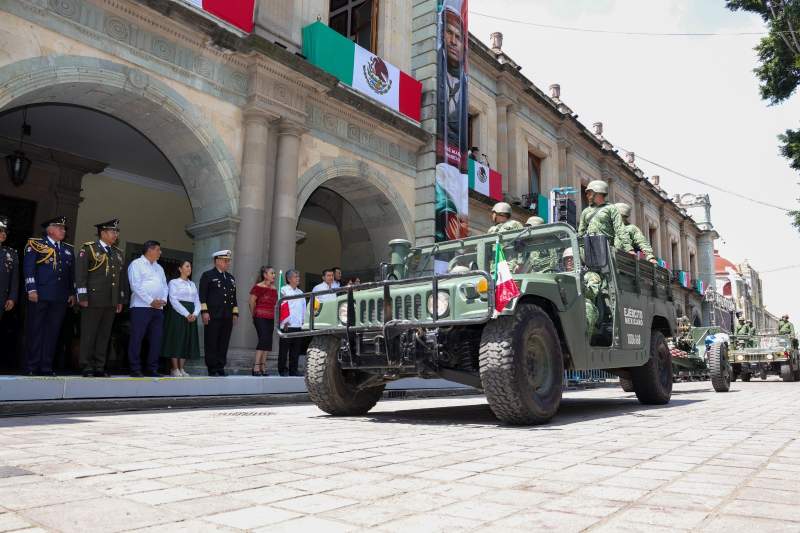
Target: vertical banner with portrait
452	181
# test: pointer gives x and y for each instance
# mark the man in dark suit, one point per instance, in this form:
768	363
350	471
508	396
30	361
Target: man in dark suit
100	280
217	293
9	272
48	267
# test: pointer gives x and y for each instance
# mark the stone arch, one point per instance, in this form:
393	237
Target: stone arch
171	122
370	210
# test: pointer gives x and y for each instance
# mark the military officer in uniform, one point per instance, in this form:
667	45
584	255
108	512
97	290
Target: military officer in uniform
785	327
100	281
220	313
501	217
9	272
48	268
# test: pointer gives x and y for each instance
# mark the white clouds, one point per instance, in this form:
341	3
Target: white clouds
690	103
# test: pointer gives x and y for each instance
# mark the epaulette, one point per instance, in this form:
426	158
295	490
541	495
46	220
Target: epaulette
87	243
67	244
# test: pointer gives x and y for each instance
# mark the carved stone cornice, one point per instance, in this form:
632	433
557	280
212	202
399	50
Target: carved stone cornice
213	228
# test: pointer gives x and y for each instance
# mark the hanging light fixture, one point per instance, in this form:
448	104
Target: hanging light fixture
17	164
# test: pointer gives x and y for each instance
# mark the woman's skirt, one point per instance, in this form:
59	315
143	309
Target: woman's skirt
181	338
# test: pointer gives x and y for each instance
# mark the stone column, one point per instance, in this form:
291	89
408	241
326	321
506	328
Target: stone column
705	266
638	209
517	185
255	189
684	245
503	106
563	169
663	234
284	205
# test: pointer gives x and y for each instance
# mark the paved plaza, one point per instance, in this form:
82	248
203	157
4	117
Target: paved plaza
705	462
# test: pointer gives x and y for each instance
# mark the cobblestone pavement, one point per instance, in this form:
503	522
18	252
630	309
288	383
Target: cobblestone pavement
709	462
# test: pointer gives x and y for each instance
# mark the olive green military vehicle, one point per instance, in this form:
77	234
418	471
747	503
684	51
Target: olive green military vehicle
764	355
433	315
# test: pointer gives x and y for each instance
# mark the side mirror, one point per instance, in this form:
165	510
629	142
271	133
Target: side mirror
595	249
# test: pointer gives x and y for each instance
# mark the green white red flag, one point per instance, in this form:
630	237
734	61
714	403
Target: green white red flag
485	180
505	289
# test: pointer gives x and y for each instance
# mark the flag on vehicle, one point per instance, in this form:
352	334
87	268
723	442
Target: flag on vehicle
238	13
362	70
485	180
505	289
283	312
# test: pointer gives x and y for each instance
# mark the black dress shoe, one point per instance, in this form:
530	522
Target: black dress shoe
137	375
29	374
153	375
99	374
222	373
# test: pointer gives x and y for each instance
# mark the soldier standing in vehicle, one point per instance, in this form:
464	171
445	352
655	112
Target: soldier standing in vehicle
9	272
537	261
600	218
637	239
785	327
501	217
100	280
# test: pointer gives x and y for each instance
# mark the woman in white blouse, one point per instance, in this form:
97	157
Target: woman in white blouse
181	340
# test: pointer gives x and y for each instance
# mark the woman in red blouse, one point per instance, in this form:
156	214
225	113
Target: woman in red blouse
263	297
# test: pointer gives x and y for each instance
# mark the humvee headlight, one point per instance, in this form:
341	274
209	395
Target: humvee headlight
769	356
343	313
442	303
483	286
740	358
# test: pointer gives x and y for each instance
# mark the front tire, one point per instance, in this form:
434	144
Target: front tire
653	380
327	384
719	368
746	376
522	367
626	384
787	374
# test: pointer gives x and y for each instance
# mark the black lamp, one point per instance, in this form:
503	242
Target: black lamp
17	164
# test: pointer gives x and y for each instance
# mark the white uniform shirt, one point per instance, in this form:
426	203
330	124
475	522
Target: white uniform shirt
147	281
183	291
297	307
325	287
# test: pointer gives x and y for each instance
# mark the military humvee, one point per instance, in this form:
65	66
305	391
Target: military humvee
433	315
763	355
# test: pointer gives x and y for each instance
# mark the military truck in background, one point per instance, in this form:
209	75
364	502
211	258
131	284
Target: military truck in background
433	315
765	355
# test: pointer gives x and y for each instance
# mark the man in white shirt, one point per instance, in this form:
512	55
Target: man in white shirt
337	277
149	292
291	323
327	284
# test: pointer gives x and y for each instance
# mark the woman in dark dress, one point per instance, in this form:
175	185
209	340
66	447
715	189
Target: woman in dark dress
181	340
263	297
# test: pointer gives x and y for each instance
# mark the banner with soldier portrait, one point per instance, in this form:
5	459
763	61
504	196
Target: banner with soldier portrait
452	181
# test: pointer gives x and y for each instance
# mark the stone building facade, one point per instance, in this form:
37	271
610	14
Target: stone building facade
278	161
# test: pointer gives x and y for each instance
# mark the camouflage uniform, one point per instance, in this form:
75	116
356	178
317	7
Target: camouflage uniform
638	241
593	288
785	327
605	220
508	225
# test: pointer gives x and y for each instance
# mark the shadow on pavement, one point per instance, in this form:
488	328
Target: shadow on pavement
572	410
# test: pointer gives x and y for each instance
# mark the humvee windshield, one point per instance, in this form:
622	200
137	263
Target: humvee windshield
543	250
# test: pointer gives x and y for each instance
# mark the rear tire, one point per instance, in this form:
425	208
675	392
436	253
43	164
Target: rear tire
763	374
626	384
719	368
746	376
327	385
653	380
522	367
787	374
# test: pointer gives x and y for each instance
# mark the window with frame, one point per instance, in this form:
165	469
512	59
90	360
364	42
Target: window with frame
653	234
357	20
472	133
674	256
534	177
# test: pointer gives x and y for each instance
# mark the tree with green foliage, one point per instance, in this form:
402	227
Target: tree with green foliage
779	71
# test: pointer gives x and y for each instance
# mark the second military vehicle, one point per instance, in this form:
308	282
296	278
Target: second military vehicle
764	355
433	315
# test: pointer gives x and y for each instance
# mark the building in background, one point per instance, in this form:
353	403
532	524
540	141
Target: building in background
743	283
207	131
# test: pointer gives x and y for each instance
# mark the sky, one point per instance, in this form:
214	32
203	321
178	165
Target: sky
689	103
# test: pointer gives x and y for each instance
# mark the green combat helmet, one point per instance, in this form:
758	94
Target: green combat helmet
502	208
534	221
598	186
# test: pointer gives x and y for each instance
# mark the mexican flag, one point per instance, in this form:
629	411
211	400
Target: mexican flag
238	13
505	289
362	70
283	312
485	180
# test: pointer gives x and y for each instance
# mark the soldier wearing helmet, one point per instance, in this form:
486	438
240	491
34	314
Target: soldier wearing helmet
593	285
600	218
785	327
637	239
501	216
534	221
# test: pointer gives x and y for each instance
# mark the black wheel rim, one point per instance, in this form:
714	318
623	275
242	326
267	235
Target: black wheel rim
537	364
663	366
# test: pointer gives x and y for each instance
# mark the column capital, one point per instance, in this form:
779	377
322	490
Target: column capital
254	112
290	127
213	228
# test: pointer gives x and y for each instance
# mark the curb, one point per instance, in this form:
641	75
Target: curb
99	405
